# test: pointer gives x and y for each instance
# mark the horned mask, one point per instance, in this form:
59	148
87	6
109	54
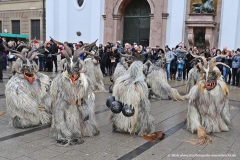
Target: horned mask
72	64
210	74
26	66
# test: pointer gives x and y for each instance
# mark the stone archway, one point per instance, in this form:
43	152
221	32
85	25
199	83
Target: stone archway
118	13
114	21
122	4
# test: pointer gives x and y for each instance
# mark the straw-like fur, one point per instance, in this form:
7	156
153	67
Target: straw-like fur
68	117
157	80
131	89
94	74
24	99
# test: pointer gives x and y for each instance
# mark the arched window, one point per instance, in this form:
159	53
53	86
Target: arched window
80	2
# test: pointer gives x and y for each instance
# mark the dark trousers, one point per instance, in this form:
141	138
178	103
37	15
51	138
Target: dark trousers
184	72
102	66
42	62
5	63
55	63
235	78
1	68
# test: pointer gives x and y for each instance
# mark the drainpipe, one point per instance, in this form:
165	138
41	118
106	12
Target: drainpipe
44	22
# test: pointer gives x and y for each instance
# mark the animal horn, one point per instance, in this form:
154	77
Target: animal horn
125	55
212	62
57	42
24	50
221	64
34	55
200	66
89	53
203	58
88	45
68	50
20	56
148	62
77	54
30	53
64	52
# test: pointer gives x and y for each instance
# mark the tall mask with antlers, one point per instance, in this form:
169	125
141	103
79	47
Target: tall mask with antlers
25	64
210	73
72	64
208	108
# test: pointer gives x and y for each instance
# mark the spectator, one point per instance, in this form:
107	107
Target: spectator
180	66
181	52
4	42
227	61
235	65
169	57
219	59
173	65
35	46
42	59
207	53
54	50
109	54
2	48
11	58
103	57
48	56
188	59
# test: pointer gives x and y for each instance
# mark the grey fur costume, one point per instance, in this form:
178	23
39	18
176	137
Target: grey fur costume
131	89
94	74
121	68
28	104
157	80
73	101
208	103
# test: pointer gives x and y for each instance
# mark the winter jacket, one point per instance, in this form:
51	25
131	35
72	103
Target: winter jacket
169	56
180	54
235	61
181	64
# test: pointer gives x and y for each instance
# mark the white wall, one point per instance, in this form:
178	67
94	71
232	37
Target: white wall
237	38
64	20
229	22
175	22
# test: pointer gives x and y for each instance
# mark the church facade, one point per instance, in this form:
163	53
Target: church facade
201	23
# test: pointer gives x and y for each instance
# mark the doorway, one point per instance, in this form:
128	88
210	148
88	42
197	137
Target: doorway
137	23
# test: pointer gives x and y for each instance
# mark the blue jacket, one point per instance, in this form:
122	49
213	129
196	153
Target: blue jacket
236	61
180	65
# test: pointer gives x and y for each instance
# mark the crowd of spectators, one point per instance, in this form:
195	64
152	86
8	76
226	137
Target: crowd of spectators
177	60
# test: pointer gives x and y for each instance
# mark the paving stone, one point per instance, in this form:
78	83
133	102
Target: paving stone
23	158
43	154
72	155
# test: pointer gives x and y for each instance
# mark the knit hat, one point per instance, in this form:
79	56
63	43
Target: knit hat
119	42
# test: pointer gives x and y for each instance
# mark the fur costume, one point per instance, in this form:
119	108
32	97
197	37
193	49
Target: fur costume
157	79
27	94
131	89
120	70
208	107
73	102
94	74
193	76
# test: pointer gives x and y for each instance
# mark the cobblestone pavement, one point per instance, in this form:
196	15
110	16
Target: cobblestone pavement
36	143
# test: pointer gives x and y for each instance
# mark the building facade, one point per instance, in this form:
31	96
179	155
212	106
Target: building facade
22	17
146	22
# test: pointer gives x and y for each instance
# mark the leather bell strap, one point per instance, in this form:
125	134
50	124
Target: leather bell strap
73	102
